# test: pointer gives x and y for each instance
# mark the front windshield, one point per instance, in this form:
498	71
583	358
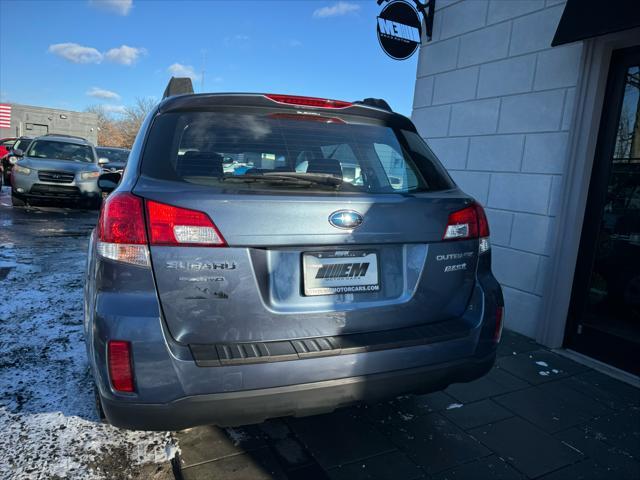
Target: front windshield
61	151
113	154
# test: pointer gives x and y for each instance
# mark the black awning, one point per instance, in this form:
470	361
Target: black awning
590	18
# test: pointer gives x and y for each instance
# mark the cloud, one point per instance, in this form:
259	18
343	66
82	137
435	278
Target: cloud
295	43
336	10
125	55
179	70
119	109
119	7
102	93
76	53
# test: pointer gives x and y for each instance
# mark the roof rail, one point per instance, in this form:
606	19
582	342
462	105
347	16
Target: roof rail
63	135
178	86
375	102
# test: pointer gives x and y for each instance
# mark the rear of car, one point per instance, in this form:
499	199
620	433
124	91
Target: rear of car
9	159
6	144
57	168
269	255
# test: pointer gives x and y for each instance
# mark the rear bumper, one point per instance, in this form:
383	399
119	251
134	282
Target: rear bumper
254	406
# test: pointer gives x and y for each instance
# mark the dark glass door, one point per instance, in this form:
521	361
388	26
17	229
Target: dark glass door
604	318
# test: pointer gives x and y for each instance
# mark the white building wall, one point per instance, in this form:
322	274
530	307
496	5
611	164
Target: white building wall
494	101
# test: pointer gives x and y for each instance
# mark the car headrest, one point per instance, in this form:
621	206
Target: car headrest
325	165
200	164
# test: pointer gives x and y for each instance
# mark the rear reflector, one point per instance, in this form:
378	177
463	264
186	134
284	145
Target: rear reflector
170	225
497	334
308	101
120	368
470	222
121	230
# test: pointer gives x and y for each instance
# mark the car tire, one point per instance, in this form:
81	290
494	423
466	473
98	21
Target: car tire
98	405
17	201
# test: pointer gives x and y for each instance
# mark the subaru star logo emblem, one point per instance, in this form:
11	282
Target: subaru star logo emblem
347	219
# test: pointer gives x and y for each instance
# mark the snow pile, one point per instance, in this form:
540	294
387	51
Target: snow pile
48	425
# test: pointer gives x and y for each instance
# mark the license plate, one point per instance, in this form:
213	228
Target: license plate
343	271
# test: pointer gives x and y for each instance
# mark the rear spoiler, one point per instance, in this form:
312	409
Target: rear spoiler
178	86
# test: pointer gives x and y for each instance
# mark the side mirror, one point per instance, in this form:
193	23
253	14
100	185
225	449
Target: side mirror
103	161
107	182
17	153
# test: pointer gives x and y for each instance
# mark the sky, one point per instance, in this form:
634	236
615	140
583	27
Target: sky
74	54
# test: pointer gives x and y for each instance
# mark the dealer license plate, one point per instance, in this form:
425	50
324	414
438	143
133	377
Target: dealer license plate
341	271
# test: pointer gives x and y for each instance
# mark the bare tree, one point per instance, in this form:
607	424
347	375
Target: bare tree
134	116
120	130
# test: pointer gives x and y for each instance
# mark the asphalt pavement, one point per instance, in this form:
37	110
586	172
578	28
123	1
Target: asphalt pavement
536	415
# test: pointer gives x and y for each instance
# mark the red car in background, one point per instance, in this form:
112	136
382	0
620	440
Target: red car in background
6	144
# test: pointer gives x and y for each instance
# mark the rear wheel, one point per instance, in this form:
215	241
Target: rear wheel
17	201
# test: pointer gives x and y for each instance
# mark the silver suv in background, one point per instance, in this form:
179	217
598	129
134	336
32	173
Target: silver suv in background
56	168
272	255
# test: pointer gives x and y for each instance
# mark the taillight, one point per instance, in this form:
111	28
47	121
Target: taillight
462	224
121	230
307	101
470	222
497	334
170	225
120	367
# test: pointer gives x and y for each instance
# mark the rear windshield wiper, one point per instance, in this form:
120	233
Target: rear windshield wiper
287	177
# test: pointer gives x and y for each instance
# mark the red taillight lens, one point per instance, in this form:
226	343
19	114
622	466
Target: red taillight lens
122	220
483	224
497	334
120	367
470	222
308	101
169	225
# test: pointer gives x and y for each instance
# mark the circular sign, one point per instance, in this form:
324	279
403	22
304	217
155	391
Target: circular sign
399	30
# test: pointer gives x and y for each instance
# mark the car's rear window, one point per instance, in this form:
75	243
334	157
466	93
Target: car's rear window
284	151
113	154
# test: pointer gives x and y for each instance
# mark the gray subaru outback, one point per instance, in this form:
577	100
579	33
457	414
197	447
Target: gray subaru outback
273	255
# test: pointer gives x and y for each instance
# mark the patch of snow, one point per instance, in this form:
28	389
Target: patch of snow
237	436
542	364
554	370
544	373
455	405
47	418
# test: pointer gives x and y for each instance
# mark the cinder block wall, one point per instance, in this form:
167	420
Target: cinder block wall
52	120
495	101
